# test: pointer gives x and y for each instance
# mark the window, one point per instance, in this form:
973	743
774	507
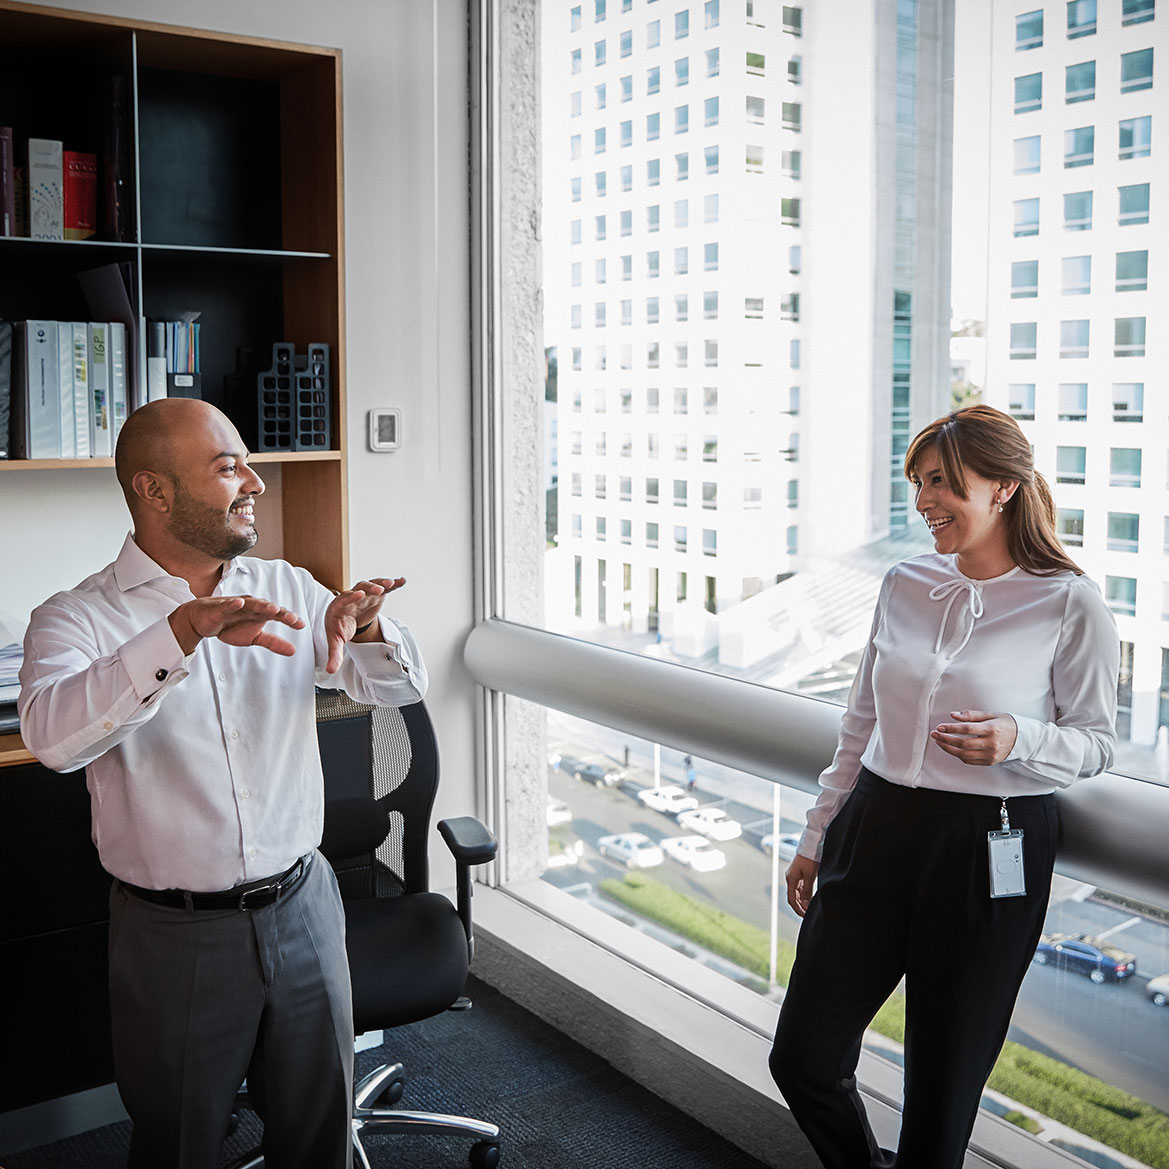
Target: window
1132	271
574	106
653	355
1137	11
599	6
1022	401
1134	204
682	71
710	208
600	269
1027	155
756	64
600	487
681	307
626	531
651	491
793	259
789	307
712	62
710	156
1023	341
626	319
576	275
1026	217
1129	337
602	526
1029	30
681	24
1124	530
601	92
791	115
1069	526
1080	82
653	127
576	63
1124	467
681	119
575	185
793	20
600	183
1024	279
653	170
626	133
710	111
789	212
1077	212
1128	401
753	308
599	314
652	398
1070	462
1136	70
600	227
710	400
1028	93
626	267
653	34
626	222
679	492
709	543
1073	338
653	217
1081	18
681	400
756	109
710	257
681	261
574	147
626	44
651	535
1135	137
1073	401
711	13
795	70
653	80
651	310
626	84
599	140
599	53
1078	146
710	306
754	159
710	449
1121	594
679	538
574	18
1077	275
710	354
790	164
575	316
682	167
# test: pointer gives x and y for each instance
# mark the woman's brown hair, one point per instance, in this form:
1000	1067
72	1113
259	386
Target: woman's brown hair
991	444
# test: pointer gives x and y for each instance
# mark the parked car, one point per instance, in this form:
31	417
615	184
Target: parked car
634	849
712	822
558	812
696	852
667	799
603	775
1095	957
1157	989
788	843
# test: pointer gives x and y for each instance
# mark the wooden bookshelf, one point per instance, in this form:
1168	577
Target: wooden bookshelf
236	211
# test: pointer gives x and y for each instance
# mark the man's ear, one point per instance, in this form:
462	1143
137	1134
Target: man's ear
153	490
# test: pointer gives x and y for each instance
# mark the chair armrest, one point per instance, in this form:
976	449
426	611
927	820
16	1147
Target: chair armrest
471	844
469	840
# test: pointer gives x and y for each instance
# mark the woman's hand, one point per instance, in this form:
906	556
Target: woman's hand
801	876
978	738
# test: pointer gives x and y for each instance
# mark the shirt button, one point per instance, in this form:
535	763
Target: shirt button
251	852
235	734
108	726
222	677
245	793
160	675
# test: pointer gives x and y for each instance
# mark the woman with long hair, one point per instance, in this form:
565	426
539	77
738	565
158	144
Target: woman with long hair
989	681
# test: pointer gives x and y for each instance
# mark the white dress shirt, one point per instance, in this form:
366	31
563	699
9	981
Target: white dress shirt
1043	649
203	770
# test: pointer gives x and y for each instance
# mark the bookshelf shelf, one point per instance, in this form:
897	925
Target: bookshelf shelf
232	185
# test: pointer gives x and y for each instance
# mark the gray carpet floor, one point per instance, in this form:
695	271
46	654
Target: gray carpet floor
558	1105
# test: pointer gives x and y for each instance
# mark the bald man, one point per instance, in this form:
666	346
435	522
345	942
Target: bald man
181	677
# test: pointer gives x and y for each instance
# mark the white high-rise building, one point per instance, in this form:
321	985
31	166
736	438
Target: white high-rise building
746	273
1077	321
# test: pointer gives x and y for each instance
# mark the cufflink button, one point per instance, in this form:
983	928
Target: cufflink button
160	675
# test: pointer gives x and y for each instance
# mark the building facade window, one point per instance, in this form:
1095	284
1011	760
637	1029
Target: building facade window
1079	146
1029	30
1124	467
1080	82
1136	70
1024	279
1137	11
1133	204
1023	341
1028	93
1081	18
1026	217
1070	464
1128	401
1129	337
1027	155
1121	594
1135	137
1069	526
1077	211
1021	399
1132	271
1124	530
1073	401
1073	338
1077	275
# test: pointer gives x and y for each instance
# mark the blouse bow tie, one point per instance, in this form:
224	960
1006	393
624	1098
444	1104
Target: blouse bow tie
949	591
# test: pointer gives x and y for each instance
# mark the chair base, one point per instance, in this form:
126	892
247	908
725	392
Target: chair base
389	1078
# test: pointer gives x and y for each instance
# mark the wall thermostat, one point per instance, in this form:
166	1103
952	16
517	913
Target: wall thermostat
385	428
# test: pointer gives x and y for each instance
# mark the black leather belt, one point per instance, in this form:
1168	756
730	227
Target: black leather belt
251	895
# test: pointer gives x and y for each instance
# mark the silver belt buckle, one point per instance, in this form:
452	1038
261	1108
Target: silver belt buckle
294	874
243	900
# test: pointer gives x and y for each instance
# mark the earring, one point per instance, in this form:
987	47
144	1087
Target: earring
1000	507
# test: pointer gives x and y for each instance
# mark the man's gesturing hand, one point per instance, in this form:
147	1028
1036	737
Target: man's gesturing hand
234	620
351	610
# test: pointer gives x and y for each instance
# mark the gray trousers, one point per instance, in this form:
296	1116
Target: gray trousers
199	1000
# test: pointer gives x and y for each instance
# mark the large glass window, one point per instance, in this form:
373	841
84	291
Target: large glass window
1136	135
1077	211
1078	146
1136	70
1026	155
1028	93
1080	82
1024	278
1133	204
1081	18
1029	30
1026	217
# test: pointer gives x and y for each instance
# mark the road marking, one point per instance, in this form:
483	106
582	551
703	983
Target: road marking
1123	926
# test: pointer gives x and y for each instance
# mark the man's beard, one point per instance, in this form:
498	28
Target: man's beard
202	527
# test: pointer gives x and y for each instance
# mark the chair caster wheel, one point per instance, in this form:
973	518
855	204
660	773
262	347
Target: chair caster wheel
392	1092
484	1155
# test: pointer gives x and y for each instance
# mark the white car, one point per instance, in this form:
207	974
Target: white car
695	851
667	799
634	849
1157	988
788	843
712	822
558	812
562	853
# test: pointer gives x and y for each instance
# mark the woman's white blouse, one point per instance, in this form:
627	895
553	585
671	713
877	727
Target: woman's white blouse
1043	649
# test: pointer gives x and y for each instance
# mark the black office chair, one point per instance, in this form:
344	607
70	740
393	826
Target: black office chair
409	949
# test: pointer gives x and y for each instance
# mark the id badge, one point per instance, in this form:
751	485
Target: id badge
1005	853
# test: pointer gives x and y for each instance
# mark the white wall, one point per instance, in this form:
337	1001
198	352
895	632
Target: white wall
407	334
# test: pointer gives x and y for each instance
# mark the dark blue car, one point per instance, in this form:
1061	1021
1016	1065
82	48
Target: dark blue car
1098	959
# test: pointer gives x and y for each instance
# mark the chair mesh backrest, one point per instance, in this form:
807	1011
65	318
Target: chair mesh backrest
387	754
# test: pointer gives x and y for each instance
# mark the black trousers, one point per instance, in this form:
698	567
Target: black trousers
903	891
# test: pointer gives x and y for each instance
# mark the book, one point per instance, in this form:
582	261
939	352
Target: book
79	332
115	163
5	385
119	398
100	440
46	207
7	183
65	409
20	199
155	360
109	294
79	171
36	398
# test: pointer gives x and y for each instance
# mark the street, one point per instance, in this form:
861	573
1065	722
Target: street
1112	1031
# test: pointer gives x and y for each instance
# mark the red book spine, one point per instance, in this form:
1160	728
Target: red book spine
80	194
